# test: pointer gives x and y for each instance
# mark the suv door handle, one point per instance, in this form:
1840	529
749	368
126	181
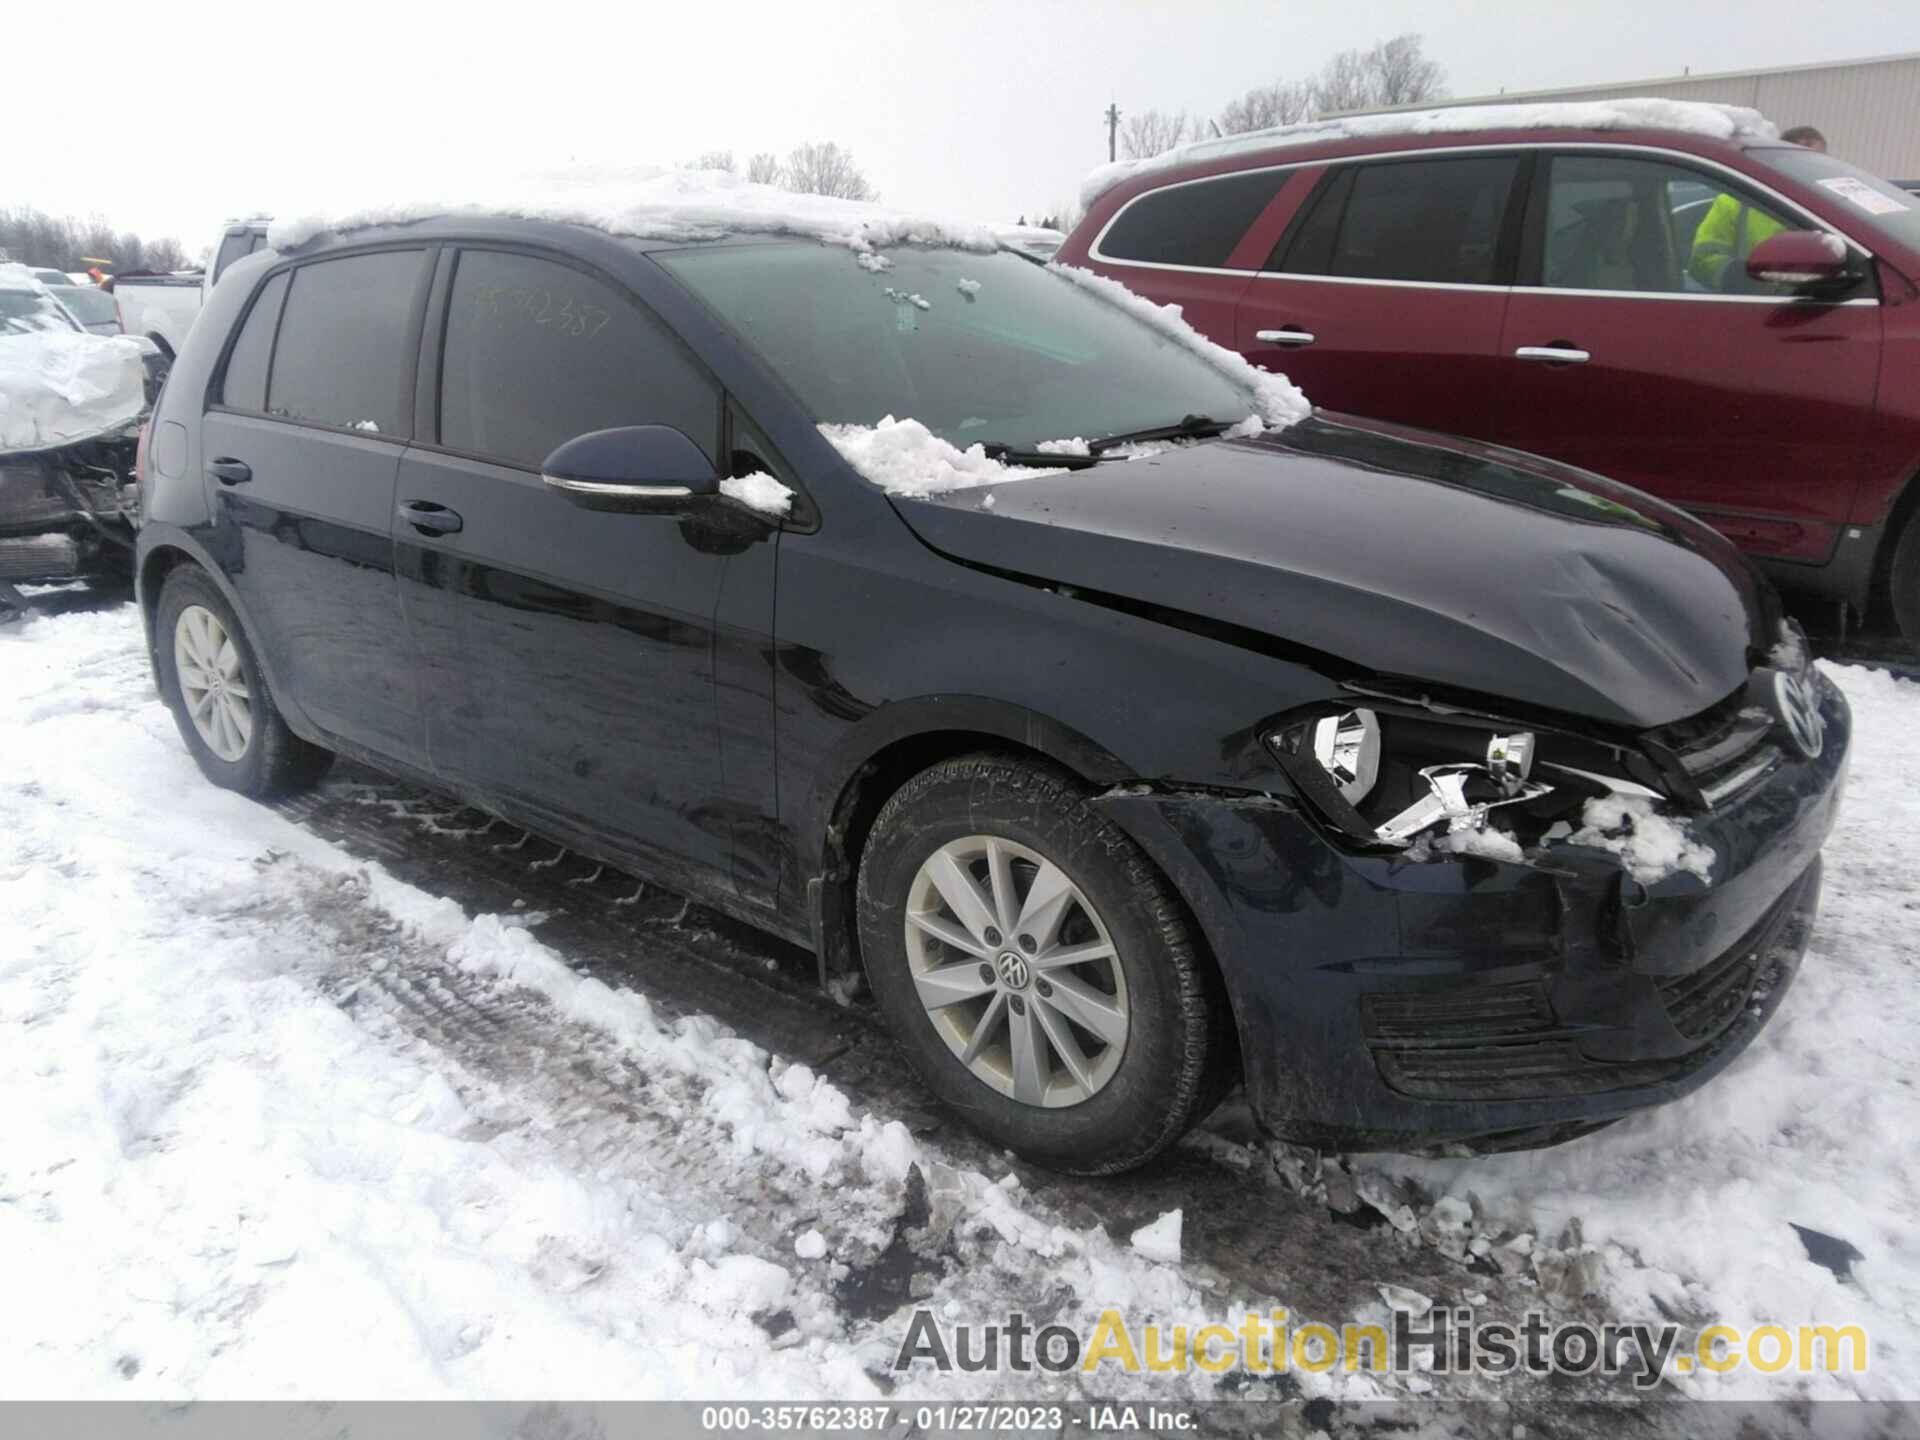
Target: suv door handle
229	471
429	518
1558	353
1292	335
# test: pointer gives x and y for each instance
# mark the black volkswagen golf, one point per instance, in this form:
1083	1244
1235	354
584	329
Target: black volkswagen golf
1435	792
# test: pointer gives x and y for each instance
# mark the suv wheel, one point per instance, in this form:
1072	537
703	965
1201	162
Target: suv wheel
1903	582
1040	972
219	696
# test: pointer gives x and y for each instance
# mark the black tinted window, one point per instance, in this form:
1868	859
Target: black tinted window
245	387
345	354
1308	244
1197	224
1431	220
538	352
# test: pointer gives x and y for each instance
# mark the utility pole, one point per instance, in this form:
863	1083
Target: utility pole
1113	130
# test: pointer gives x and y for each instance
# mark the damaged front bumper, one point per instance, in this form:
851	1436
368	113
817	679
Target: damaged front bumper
1397	1000
68	513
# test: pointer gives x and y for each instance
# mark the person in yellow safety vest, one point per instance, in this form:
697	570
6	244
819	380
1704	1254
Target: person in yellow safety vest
1731	227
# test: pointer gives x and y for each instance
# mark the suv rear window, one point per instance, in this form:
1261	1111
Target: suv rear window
1198	223
346	348
1437	221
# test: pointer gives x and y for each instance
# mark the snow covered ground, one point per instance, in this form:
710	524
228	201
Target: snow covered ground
278	1124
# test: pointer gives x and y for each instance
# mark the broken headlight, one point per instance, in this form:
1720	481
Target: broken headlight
1386	778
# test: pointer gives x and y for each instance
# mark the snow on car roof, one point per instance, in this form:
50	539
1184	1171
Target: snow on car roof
1716	122
15	276
650	203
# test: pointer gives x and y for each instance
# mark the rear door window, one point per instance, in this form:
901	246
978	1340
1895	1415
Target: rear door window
1196	224
1435	221
538	352
245	386
346	350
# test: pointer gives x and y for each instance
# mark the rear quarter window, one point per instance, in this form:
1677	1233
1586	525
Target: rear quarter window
245	384
346	344
1197	223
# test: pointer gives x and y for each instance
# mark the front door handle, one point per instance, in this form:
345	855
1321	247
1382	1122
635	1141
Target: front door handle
229	471
1292	335
429	518
1558	353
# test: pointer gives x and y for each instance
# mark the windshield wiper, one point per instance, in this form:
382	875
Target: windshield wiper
1037	459
1190	427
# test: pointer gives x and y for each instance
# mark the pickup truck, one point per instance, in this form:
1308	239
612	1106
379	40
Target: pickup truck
162	307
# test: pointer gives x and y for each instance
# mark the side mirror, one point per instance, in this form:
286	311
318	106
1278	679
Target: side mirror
634	470
1800	257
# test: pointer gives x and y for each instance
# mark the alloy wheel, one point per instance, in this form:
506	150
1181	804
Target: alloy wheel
213	682
1016	971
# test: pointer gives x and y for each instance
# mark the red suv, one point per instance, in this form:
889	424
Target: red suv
1730	323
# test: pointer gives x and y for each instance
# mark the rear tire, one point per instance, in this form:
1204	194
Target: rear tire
1903	582
219	695
1116	1056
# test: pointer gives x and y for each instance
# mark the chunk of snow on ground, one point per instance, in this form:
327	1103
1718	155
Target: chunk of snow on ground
1651	845
61	386
1716	122
1161	1240
903	457
650	203
759	492
811	1245
1278	401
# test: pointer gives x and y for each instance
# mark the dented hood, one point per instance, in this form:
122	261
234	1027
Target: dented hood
1395	552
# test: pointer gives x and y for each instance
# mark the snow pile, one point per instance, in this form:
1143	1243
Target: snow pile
58	387
968	288
759	492
1650	845
1716	122
1278	402
650	203
1161	1240
904	457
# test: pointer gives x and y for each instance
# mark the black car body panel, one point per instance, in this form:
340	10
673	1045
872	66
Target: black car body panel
721	704
1398	556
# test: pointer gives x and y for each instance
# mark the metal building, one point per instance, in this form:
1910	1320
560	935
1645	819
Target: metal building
1869	110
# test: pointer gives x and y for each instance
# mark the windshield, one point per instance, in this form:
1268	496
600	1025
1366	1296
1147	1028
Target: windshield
1871	203
89	306
23	312
979	348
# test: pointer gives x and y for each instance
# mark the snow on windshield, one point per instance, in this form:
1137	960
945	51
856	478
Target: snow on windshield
1717	122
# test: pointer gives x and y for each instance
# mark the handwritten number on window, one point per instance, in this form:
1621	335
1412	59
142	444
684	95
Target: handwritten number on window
558	312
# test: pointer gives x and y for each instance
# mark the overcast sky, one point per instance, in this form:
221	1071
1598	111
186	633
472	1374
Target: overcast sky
197	111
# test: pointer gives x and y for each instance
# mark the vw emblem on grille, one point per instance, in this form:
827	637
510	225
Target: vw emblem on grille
1799	706
1013	970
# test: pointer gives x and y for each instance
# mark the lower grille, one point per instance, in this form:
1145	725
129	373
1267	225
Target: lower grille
1503	1042
39	557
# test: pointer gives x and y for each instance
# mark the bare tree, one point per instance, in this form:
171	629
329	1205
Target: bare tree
1392	72
1342	84
1285	102
823	168
764	168
1150	132
1402	74
713	160
37	238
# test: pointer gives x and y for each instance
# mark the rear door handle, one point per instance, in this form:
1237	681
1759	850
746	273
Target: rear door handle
429	518
1557	353
229	471
1289	336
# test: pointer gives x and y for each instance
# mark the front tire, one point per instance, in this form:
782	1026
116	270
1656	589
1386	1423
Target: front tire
1903	582
1040	972
219	695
